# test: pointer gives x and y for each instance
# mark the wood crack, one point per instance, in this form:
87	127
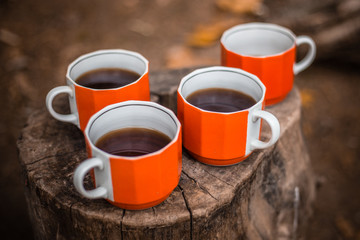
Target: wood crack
71	212
219	178
50	156
200	186
121	224
189	209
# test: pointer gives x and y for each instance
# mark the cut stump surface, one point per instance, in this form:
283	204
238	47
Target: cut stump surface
267	196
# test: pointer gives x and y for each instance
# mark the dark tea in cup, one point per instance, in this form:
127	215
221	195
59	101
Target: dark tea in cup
220	100
107	78
132	142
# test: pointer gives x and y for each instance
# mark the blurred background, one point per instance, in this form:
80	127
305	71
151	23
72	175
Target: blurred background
38	39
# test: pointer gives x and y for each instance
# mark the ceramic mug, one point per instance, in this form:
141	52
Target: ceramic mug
84	101
268	51
223	138
135	182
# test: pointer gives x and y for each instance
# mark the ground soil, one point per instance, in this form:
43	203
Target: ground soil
38	39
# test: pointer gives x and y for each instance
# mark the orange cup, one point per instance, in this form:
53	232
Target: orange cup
268	51
218	138
132	182
84	101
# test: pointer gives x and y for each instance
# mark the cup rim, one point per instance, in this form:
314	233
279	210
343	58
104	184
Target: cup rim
259	25
104	52
228	69
125	103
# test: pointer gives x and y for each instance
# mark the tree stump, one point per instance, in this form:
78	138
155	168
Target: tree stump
267	196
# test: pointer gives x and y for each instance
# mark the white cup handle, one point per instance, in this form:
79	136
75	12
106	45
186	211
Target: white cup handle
310	56
274	126
71	118
79	175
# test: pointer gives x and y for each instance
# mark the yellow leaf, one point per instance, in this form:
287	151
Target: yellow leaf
346	228
240	6
307	97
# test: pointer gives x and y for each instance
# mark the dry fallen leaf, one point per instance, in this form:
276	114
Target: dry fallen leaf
142	27
345	227
21	88
307	97
240	6
209	34
181	56
9	38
